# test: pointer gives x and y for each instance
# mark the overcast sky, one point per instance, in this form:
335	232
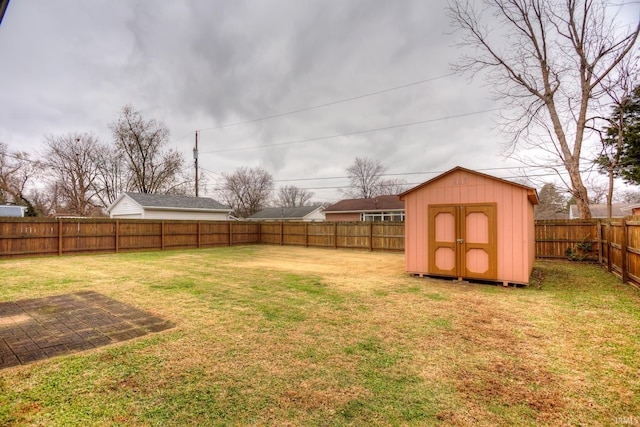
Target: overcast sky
71	65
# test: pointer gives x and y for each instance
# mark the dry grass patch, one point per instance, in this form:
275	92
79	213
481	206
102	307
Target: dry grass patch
273	335
349	270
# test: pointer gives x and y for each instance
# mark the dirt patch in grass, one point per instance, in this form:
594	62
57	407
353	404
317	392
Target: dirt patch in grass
350	270
502	367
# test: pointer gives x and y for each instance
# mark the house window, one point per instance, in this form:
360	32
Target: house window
382	216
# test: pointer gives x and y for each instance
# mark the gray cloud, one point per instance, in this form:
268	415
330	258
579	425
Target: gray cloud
72	65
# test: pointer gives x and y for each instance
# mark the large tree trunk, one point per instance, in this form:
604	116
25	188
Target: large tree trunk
579	193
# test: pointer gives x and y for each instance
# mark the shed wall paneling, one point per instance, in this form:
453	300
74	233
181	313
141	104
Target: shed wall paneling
514	213
532	233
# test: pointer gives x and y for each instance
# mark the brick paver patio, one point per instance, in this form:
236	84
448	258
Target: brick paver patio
40	328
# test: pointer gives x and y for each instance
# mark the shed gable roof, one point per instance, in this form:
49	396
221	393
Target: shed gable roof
532	194
285	213
168	201
379	203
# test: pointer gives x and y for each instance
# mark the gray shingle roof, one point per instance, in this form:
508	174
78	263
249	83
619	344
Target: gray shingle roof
380	203
288	213
178	202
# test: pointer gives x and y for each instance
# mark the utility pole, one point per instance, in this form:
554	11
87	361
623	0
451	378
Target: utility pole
195	157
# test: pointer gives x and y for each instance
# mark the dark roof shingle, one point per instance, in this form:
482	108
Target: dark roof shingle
180	202
379	203
287	213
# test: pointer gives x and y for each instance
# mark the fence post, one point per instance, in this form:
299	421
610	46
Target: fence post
599	236
335	235
198	234
117	235
609	247
306	234
230	233
59	236
162	235
281	233
623	243
370	236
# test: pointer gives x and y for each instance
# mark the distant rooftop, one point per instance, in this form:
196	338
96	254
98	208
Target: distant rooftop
284	213
379	203
618	210
172	201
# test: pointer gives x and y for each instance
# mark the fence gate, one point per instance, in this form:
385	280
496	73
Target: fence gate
462	241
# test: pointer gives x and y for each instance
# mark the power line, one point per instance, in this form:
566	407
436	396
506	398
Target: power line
352	133
407	173
353	98
409	184
182	137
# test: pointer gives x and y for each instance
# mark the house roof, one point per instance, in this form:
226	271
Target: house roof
379	203
532	193
285	213
618	210
168	201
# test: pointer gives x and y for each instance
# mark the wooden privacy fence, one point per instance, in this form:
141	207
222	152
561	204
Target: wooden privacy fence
615	245
74	236
374	236
41	237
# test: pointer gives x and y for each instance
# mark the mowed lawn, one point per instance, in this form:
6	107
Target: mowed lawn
269	335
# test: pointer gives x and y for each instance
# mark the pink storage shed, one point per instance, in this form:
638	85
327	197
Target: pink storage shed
469	225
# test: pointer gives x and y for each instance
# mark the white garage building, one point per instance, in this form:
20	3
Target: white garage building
166	206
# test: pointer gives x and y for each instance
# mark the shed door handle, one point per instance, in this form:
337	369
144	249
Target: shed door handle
460	240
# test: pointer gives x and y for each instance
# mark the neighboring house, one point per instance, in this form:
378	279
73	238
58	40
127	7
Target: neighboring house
618	210
301	213
11	211
635	209
381	208
165	206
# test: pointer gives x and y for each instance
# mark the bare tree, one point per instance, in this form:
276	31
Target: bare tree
45	200
597	190
365	176
628	196
291	196
72	164
111	177
392	187
547	62
246	190
18	173
150	168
